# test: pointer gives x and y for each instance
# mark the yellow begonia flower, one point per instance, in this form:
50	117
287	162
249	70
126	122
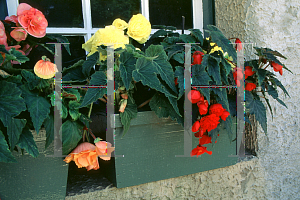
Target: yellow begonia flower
108	35
139	28
216	48
120	24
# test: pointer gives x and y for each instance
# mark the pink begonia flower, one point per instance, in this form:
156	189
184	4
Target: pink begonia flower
19	34
12	18
32	20
3	37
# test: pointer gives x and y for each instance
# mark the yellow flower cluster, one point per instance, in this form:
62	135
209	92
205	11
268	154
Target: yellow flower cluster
139	28
107	36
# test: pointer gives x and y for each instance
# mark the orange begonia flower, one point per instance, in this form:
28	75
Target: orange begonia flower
3	37
86	154
18	34
45	69
32	20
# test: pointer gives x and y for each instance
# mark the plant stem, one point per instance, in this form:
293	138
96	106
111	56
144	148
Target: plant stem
145	103
92	134
90	112
267	66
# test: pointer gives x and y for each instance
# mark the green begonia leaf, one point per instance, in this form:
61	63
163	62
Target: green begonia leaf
38	107
5	153
71	135
49	126
11	102
14	130
27	142
127	65
129	113
89	63
197	34
200	76
179	73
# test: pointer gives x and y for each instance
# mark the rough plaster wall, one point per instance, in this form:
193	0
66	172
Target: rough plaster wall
274	24
241	181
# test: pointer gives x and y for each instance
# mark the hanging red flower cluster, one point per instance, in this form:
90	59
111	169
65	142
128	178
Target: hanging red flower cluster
206	123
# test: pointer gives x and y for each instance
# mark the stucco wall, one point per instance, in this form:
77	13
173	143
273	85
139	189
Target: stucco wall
275	173
274	24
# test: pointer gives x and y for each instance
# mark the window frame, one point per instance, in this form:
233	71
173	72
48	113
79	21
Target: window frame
88	30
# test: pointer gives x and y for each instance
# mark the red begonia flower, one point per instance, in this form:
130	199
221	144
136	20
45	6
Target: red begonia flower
216	109
195	96
225	115
203	108
199	150
248	71
209	122
3	37
250	86
238	45
277	67
205	139
196	126
197	56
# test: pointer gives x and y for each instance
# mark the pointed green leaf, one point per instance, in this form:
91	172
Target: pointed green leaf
281	102
27	142
14	130
226	65
146	73
162	66
5	153
200	76
261	75
272	91
197	34
179	57
98	79
278	83
11	102
268	104
38	107
34	81
71	135
49	126
92	95
219	38
129	113
89	63
212	65
127	65
258	109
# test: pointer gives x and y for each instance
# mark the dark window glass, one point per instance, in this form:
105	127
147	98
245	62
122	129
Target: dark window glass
170	12
104	12
77	53
59	13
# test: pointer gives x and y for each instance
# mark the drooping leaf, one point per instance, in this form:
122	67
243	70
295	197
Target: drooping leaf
197	34
129	113
261	75
281	102
71	135
146	73
14	130
11	102
174	49
226	65
268	103
258	109
3	49
127	65
160	63
200	76
92	94
212	65
27	142
222	97
60	39
49	126
163	108
272	91
5	153
179	73
38	107
34	81
89	63
278	83
218	37
74	73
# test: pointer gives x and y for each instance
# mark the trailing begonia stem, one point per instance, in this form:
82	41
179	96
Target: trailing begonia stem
92	134
90	112
145	103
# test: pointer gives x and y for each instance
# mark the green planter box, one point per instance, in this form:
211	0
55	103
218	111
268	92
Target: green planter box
149	150
40	178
